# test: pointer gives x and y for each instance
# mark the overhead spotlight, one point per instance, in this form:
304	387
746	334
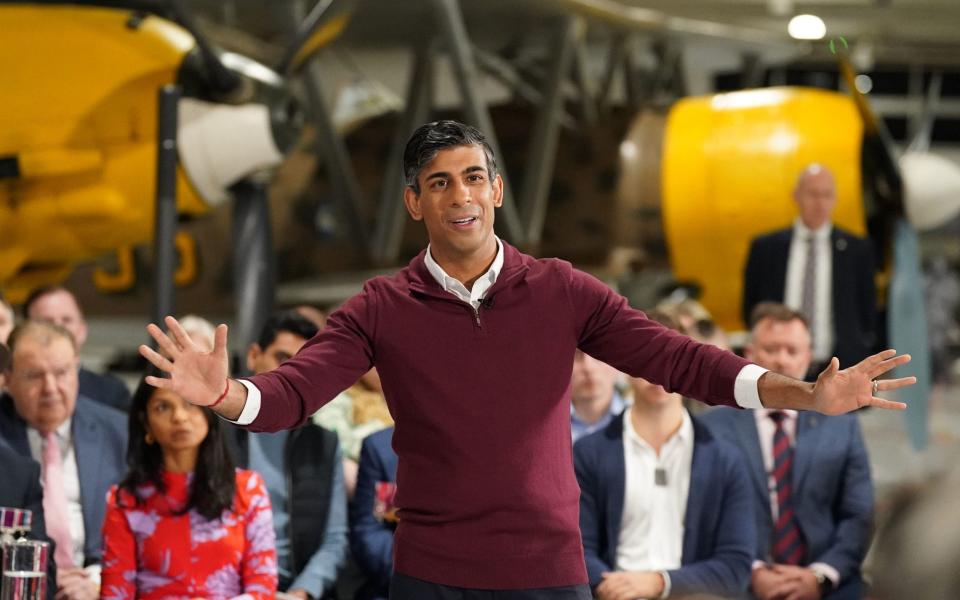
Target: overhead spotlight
863	83
807	27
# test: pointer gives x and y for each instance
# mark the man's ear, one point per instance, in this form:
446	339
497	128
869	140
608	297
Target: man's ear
498	191
253	353
412	201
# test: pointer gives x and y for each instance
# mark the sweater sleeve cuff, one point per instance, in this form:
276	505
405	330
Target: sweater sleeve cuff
745	389
251	407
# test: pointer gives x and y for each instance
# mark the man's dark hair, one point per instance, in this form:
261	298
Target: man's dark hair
289	321
776	312
214	481
40	292
431	138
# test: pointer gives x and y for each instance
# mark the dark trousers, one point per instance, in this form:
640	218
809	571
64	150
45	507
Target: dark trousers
408	588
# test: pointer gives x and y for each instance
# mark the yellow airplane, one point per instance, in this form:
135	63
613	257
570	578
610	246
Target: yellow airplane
78	138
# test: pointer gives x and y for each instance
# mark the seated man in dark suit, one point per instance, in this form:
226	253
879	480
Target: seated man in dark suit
371	527
57	305
810	477
80	444
820	270
303	471
665	506
21	489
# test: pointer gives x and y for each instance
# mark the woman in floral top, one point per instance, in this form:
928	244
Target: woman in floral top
184	523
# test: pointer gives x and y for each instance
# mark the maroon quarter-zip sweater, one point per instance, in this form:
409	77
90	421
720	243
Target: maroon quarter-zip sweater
485	483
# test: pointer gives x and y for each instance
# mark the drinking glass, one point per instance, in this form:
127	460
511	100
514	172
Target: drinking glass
24	570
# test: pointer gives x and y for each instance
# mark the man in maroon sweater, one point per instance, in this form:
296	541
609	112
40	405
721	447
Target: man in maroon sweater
474	342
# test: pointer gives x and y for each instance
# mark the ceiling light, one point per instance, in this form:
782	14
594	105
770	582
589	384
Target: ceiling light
807	27
863	83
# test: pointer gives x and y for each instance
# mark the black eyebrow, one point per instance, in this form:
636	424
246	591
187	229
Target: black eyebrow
446	175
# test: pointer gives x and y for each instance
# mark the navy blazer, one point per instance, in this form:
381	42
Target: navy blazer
719	531
854	296
832	488
370	540
105	388
20	488
100	443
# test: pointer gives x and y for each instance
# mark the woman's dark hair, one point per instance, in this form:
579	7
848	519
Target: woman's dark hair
431	138
214	481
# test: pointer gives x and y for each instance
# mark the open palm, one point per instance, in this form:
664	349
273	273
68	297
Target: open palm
839	391
196	375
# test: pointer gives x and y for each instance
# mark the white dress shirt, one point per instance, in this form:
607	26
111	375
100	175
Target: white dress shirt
71	479
745	386
821	322
652	525
765	430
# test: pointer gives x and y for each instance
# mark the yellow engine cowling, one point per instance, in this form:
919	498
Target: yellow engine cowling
79	117
730	162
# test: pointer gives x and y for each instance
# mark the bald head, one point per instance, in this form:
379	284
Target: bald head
815	195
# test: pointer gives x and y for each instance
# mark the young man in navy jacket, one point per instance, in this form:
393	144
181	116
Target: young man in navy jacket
474	342
665	507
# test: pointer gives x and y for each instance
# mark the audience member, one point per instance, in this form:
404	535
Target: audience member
820	270
21	489
594	398
372	523
200	330
811	476
78	442
7	320
57	305
303	474
665	506
184	523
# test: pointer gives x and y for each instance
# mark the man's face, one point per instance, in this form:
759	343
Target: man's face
591	380
651	395
782	347
816	195
6	322
456	201
261	360
43	381
61	308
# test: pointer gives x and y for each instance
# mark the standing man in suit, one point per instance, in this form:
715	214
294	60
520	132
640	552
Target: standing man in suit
820	270
810	477
79	443
57	305
371	532
665	507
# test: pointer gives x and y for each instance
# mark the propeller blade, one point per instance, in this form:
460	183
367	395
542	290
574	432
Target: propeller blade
907	327
325	22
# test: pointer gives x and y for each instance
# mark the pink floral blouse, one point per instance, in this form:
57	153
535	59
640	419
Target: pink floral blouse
149	552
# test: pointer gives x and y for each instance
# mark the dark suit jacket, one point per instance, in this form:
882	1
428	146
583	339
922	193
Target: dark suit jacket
854	295
370	540
105	389
20	488
832	488
719	532
100	442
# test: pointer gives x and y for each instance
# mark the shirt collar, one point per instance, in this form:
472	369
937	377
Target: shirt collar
682	435
446	280
803	232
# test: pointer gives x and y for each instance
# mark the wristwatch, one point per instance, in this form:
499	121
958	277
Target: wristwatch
824	583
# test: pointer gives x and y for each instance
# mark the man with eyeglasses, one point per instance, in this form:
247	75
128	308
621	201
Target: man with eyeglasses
79	444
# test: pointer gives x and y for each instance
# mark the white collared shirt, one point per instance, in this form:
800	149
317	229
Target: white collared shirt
821	322
71	479
652	526
454	286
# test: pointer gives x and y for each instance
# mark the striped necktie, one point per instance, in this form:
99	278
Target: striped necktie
788	545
